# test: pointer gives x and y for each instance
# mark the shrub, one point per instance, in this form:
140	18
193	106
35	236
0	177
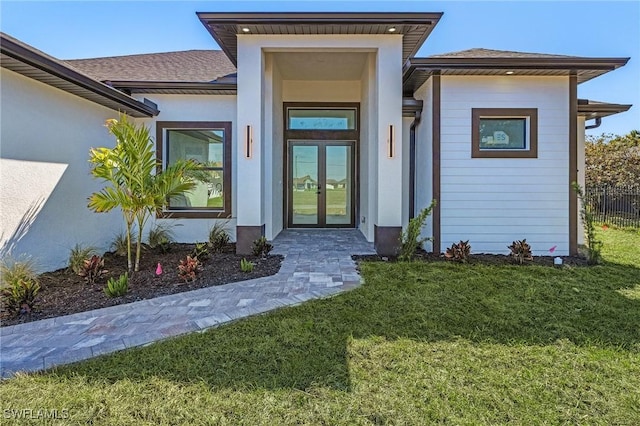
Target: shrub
20	285
410	239
219	236
92	268
161	237
20	296
459	251
129	169
117	287
78	255
119	244
261	247
12	271
188	268
593	244
246	266
520	251
200	252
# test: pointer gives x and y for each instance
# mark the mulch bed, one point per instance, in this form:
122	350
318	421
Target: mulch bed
63	292
480	259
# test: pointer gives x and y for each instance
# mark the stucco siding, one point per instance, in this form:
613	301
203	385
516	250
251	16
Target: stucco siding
321	91
45	139
424	159
277	179
493	201
366	219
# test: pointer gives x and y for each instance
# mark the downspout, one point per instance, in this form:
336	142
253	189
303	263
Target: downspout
596	125
412	163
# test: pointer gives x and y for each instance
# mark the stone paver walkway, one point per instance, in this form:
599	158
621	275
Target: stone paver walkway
317	264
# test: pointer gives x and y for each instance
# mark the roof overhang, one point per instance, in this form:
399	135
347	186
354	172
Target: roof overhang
225	27
176	87
30	62
593	109
411	107
418	70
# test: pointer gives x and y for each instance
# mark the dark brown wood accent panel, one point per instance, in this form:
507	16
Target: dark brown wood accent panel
245	236
386	240
477	113
202	212
573	164
435	178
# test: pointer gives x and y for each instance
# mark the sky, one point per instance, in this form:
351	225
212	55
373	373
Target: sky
85	29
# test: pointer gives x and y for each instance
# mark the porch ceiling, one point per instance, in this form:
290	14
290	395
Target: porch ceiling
225	27
320	65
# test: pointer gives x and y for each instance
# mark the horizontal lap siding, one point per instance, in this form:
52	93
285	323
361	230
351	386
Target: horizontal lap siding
491	201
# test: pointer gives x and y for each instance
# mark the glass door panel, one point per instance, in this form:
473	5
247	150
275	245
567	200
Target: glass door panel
337	185
304	185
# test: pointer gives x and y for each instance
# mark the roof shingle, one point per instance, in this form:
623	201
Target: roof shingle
490	53
184	66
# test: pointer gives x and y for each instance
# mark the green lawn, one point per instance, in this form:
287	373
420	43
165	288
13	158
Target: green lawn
305	202
417	344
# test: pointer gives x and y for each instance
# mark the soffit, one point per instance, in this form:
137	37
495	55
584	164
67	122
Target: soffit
30	62
594	109
225	27
418	70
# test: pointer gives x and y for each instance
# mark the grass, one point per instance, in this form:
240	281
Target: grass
417	344
305	202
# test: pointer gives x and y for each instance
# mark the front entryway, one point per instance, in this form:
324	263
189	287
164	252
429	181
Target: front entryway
321	184
320	176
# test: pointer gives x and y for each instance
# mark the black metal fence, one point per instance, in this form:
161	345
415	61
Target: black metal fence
614	205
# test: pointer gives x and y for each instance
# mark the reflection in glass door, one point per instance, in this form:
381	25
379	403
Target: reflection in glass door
304	184
320	184
337	184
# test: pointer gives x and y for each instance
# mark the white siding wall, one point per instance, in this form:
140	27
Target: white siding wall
197	108
45	139
424	159
492	202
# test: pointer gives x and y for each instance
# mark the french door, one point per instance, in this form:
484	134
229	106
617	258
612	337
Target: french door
320	184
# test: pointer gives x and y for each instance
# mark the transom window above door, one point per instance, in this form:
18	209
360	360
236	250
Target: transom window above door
321	118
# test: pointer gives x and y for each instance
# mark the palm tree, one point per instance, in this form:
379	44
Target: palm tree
130	169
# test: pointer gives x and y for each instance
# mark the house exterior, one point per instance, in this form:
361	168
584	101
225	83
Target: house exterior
307	120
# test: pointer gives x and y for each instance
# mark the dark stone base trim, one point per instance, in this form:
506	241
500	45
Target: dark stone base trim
386	240
245	236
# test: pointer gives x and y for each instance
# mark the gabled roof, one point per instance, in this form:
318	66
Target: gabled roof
225	27
499	62
31	62
185	72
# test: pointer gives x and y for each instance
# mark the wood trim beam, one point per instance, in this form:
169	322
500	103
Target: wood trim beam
435	178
